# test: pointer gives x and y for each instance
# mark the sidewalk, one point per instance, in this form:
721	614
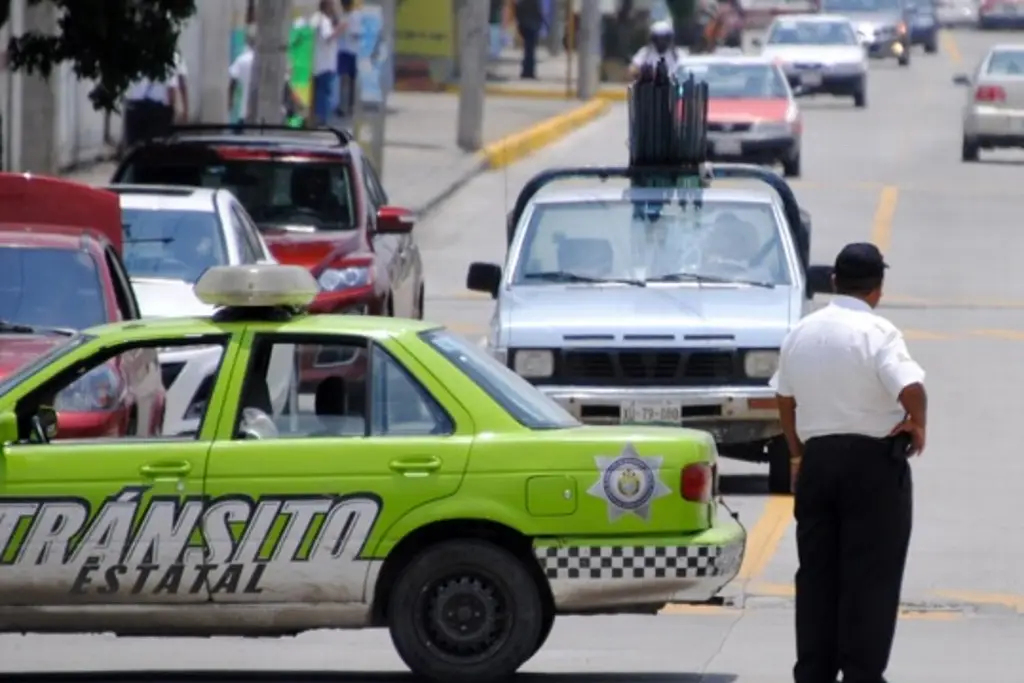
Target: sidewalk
422	163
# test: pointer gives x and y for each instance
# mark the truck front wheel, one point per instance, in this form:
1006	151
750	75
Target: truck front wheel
465	611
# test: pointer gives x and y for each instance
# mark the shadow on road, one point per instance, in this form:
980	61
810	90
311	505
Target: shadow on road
341	677
743	484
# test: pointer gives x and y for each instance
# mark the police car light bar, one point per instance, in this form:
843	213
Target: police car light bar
257	286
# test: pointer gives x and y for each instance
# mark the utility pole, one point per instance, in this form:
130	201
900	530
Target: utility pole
216	20
270	65
473	34
557	25
589	52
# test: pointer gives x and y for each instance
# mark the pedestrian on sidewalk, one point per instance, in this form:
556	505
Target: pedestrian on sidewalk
149	109
327	28
348	60
530	21
853	409
240	78
181	87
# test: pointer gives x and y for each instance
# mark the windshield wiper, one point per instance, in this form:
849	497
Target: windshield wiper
697	277
565	276
17	328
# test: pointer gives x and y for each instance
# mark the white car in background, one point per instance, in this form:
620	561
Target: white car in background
171	236
820	54
993	115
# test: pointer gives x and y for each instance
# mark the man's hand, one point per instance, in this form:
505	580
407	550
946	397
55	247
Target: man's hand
916	432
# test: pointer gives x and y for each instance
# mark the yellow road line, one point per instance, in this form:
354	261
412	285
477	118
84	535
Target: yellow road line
1014	602
881	227
764	538
1014	335
926	335
698	610
950	47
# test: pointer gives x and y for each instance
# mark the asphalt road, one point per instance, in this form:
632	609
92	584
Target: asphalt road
951	232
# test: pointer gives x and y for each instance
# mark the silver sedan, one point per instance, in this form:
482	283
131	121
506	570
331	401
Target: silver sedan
993	115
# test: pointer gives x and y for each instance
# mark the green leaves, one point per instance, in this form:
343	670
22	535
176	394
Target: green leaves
114	42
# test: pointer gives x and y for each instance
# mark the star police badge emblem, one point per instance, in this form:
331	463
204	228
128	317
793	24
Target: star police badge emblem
629	483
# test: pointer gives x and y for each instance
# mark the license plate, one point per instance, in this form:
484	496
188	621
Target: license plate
728	147
651	412
811	79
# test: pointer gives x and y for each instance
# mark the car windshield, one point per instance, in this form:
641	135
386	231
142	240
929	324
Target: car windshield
642	241
812	33
296	195
61	347
175	245
846	6
520	399
737	81
1006	63
48	287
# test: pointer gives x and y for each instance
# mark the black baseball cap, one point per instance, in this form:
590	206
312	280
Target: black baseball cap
859	261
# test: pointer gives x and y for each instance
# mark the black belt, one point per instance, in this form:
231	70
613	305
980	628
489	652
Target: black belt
896	447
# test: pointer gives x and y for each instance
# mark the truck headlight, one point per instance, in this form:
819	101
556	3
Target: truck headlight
534	363
761	364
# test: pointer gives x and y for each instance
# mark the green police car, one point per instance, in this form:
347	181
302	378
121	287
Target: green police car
346	472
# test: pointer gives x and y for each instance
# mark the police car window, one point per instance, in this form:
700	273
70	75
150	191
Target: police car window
1006	63
21	367
31	276
738	81
641	240
297	195
401	406
519	398
812	33
171	245
246	249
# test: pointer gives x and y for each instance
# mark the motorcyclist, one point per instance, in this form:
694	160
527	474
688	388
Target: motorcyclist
661	46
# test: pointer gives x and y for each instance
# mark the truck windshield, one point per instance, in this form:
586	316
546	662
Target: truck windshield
793	32
520	399
647	241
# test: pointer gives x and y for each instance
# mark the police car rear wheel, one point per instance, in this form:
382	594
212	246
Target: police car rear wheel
465	612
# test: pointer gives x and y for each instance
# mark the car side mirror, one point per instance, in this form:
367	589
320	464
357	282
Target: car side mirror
484	277
44	424
394	220
819	280
961	79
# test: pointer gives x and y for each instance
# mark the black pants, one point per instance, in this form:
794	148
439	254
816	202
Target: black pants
853	508
530	37
146	119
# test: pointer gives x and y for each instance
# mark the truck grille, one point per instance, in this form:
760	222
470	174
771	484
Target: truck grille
646	367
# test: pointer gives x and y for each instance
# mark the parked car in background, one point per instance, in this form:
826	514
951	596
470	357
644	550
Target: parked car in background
316	199
61	271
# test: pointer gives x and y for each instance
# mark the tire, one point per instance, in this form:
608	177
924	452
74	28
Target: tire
904	59
779	481
475	575
860	98
932	46
791	167
969	151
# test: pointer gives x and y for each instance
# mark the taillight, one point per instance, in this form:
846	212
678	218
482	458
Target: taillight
989	93
697	482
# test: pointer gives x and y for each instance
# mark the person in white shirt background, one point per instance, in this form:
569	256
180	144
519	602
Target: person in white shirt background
327	28
661	46
853	408
150	105
240	75
348	60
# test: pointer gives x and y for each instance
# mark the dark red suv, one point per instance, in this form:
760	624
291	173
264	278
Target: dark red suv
315	197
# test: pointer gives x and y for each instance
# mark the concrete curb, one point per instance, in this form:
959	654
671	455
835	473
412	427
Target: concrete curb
476	169
510	149
610	93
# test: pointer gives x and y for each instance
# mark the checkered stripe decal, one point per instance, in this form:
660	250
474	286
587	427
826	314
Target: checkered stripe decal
632	562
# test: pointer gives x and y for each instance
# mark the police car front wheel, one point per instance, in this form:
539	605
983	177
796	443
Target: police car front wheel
465	611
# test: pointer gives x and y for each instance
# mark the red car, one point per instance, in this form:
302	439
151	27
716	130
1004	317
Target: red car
61	271
316	199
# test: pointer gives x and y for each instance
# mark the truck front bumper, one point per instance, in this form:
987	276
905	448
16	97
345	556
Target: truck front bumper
732	414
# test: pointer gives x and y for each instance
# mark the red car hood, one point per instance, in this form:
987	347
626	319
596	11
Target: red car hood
18	349
311	249
723	110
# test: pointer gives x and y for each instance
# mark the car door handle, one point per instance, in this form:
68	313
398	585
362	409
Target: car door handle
416	465
170	469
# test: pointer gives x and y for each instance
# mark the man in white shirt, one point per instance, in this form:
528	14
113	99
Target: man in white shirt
348	59
181	85
327	28
149	108
853	408
662	46
240	75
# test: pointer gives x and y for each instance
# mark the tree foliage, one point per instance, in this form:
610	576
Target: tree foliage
113	42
